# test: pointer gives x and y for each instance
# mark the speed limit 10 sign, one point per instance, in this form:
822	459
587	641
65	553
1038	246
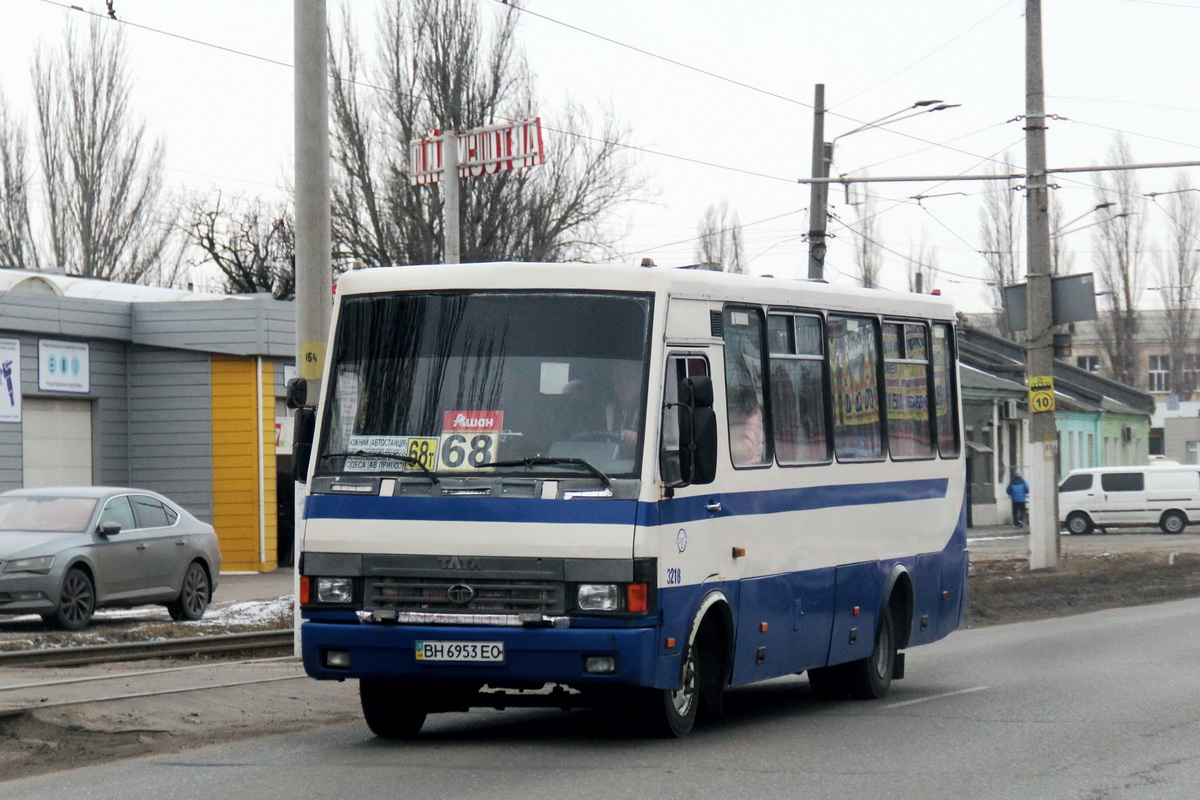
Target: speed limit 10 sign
1041	394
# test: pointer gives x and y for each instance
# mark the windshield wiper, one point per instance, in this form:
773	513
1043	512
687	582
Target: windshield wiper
542	460
404	458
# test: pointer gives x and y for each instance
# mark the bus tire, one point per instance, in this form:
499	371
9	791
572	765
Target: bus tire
1079	523
671	713
388	709
1173	522
870	678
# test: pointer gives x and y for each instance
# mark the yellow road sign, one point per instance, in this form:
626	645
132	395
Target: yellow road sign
1041	393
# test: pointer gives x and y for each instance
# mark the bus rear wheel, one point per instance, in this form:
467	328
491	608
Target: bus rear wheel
868	678
389	710
871	677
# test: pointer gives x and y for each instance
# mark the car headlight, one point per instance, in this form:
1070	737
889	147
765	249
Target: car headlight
41	565
598	597
335	590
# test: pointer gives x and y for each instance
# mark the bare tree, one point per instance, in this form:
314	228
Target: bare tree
720	241
1119	240
435	72
867	258
1000	230
102	175
17	249
922	265
252	243
1177	273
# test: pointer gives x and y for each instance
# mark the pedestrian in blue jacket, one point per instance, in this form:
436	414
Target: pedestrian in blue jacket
1018	490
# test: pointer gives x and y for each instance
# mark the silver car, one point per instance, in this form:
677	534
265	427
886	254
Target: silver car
65	552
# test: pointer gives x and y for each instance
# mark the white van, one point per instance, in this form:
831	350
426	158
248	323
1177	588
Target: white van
1167	495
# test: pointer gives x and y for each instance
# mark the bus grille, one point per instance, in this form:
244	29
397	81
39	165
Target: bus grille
491	595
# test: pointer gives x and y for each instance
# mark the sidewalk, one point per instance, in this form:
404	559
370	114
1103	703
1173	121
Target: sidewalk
243	587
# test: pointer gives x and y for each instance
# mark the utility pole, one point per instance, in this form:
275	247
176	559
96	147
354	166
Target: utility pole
819	192
1044	543
452	238
314	277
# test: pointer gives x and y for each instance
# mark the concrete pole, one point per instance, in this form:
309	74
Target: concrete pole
451	215
819	192
1044	543
314	277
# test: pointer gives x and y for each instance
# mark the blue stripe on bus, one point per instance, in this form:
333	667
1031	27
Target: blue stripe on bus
776	501
620	512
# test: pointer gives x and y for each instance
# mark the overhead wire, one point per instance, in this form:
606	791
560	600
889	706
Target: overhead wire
733	81
931	53
420	98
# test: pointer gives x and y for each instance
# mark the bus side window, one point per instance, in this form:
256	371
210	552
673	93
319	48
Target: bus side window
744	386
678	368
854	365
798	407
906	372
945	407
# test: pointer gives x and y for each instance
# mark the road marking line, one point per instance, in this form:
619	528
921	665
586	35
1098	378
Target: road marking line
937	697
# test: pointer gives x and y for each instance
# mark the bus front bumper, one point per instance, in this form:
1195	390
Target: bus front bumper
335	651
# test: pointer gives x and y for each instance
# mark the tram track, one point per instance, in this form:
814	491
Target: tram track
277	642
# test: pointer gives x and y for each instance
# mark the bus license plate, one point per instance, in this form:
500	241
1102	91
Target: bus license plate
487	652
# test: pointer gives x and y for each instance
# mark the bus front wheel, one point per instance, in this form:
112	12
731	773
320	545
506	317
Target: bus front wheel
671	713
389	710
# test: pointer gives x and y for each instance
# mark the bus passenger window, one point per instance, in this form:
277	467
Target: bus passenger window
906	370
945	407
853	362
744	386
798	389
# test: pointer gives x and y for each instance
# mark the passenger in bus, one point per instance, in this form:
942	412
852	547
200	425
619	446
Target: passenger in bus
747	442
623	409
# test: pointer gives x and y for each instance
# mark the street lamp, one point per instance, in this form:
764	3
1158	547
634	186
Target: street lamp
1099	207
823	158
925	106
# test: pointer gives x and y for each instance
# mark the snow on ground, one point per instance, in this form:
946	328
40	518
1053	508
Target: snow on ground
147	622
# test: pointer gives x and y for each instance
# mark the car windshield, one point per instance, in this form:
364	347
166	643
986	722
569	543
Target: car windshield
452	382
46	513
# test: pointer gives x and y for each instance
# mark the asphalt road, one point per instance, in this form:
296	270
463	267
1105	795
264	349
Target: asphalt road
1101	705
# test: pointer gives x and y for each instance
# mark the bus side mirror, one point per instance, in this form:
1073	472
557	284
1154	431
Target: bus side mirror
297	393
697	431
303	427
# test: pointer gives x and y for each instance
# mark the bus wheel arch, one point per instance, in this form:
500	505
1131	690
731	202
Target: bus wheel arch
712	639
898	596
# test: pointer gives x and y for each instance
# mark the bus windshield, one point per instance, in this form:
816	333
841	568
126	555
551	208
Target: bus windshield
452	382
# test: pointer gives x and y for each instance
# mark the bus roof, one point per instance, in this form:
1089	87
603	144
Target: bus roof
695	283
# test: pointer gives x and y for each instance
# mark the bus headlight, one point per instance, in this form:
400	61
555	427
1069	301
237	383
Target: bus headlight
335	590
598	597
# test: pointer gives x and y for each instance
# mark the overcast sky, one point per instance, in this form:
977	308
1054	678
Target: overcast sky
1111	65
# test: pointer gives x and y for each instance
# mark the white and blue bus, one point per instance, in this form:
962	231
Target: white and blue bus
628	487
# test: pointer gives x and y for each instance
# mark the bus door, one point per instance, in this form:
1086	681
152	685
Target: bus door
695	556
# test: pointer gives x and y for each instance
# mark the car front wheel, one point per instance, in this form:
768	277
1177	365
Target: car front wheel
1079	523
76	602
